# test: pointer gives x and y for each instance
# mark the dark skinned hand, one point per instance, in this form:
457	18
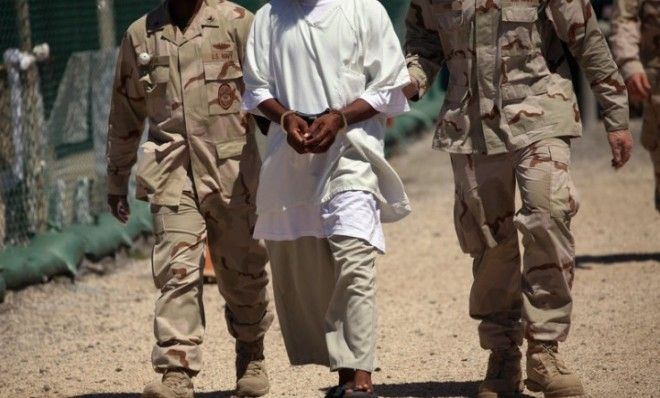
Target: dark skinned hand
324	131
119	207
297	132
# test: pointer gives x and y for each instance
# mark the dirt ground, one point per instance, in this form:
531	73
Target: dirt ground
93	338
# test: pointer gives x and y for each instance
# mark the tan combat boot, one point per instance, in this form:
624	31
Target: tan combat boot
547	373
251	376
504	374
175	384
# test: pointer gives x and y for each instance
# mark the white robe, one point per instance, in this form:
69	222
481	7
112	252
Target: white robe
312	66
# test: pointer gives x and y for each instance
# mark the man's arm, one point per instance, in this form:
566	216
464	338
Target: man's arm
125	126
576	25
424	50
625	40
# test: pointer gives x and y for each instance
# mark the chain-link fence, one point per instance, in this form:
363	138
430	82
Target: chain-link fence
54	105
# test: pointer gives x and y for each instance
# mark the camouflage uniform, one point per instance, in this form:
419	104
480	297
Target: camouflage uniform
199	170
635	46
507	118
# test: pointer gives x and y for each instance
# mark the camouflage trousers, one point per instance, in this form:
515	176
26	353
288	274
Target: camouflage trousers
239	261
651	130
504	293
325	295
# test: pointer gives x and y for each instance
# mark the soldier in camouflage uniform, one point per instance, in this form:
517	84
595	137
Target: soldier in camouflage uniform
636	45
199	171
508	117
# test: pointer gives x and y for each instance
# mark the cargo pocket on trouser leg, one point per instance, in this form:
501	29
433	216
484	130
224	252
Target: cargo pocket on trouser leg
240	268
179	315
549	202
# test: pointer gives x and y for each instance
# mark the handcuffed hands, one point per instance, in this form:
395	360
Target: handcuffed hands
318	137
323	132
621	143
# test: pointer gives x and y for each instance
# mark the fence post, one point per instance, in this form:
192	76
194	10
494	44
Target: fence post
106	18
35	182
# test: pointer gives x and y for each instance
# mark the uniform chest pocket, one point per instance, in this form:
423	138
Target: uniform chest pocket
224	84
518	30
448	14
156	84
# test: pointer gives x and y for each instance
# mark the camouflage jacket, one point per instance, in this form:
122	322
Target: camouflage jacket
188	85
509	84
636	36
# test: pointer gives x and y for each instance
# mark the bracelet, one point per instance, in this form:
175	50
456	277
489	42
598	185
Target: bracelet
343	117
284	115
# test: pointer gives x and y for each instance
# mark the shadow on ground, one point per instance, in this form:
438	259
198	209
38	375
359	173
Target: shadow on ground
431	389
609	259
217	394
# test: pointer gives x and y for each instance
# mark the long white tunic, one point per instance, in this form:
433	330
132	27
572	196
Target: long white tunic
310	66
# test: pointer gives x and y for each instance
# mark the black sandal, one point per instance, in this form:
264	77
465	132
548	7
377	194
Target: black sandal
341	391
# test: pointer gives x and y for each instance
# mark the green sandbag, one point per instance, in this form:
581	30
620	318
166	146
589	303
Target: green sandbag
140	221
48	255
56	253
17	272
102	239
107	235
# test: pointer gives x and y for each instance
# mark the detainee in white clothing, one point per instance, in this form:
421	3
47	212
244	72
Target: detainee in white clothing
330	71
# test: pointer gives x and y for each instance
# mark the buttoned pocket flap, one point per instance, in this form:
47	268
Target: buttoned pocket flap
222	70
520	14
231	148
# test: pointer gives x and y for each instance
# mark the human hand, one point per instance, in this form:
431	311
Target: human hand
119	207
621	143
323	131
297	131
639	87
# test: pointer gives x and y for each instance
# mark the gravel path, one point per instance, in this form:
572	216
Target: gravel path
93	338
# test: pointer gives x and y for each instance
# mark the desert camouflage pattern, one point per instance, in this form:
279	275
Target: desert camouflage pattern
199	171
181	234
636	48
502	294
509	84
190	92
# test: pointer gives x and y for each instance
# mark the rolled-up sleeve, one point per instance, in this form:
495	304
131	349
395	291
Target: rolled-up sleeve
388	102
384	63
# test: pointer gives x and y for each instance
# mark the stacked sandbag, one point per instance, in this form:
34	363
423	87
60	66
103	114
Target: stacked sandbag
48	255
60	253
